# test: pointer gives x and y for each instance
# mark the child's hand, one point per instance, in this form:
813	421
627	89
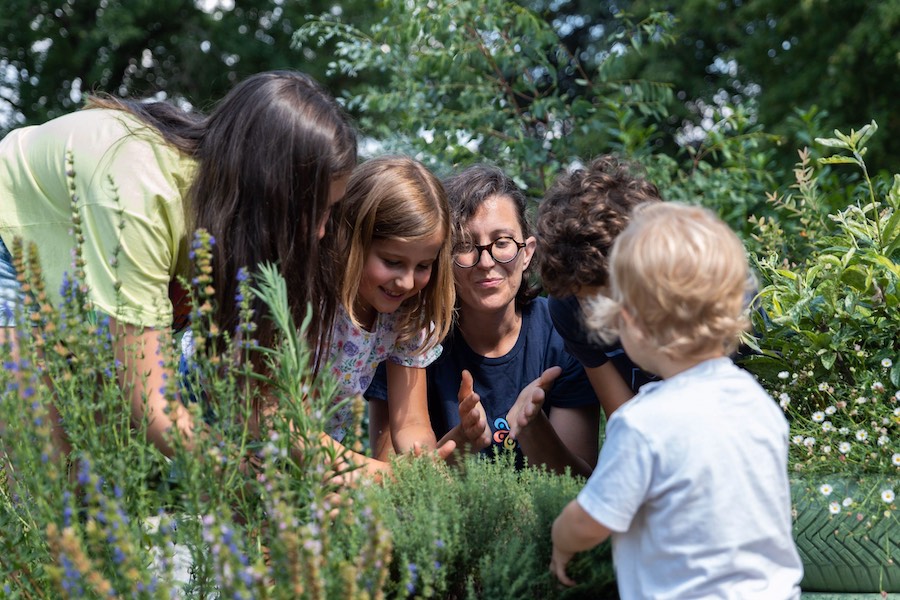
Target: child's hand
472	418
441	453
558	562
531	399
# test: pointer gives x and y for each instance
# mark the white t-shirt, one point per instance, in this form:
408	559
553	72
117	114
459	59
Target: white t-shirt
356	353
692	481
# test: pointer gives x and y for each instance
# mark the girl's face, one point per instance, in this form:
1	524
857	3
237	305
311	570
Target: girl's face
490	286
394	271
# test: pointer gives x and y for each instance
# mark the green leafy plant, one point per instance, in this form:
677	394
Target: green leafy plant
829	350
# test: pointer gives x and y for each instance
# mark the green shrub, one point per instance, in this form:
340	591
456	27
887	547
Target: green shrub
482	531
829	349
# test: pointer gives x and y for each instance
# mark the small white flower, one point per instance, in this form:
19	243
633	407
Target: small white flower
826	489
797	440
883	440
887	496
784	375
843	431
862	435
784	400
823	386
848	501
897	412
878	387
887	363
809	442
826	449
897	395
844	447
818	416
834	508
861	400
895	459
827	426
830	410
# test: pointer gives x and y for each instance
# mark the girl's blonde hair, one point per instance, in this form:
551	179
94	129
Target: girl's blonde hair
683	274
397	198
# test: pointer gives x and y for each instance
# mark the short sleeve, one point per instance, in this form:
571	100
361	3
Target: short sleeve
409	354
572	389
566	316
619	485
131	189
137	208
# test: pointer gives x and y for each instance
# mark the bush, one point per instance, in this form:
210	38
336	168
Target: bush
829	350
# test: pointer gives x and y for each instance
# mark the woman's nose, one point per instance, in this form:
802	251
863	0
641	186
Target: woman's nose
485	260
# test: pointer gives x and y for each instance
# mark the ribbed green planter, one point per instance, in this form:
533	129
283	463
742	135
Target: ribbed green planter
848	551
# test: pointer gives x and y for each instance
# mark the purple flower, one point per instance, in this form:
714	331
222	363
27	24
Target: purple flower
350	349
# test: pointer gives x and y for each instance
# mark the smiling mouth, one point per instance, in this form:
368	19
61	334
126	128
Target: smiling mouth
395	296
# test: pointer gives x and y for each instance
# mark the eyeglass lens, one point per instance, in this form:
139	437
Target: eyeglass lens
502	250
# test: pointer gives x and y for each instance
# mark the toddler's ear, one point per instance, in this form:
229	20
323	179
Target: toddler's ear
628	318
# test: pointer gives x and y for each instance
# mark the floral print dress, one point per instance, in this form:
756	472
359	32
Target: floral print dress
356	353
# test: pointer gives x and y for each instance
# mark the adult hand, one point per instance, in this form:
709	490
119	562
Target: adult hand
531	399
472	418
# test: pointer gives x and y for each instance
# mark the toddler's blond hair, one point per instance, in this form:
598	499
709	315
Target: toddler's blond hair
683	274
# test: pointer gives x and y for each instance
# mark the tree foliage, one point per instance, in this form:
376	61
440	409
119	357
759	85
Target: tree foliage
468	80
53	51
779	58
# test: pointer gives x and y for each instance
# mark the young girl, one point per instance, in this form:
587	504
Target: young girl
392	246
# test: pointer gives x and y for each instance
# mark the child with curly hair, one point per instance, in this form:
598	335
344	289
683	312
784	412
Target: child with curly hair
578	220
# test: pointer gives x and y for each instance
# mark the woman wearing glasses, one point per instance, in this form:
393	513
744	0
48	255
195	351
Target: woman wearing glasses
502	341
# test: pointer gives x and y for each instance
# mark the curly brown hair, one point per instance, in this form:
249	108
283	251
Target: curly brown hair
579	218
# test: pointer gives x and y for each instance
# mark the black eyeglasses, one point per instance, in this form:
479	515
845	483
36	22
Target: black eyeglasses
502	250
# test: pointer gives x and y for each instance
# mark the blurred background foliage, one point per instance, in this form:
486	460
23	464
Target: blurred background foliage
765	59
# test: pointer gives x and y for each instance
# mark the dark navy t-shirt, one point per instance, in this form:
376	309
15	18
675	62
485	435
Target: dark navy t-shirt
568	319
498	381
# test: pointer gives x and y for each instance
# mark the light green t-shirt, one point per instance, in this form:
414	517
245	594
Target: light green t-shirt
112	150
